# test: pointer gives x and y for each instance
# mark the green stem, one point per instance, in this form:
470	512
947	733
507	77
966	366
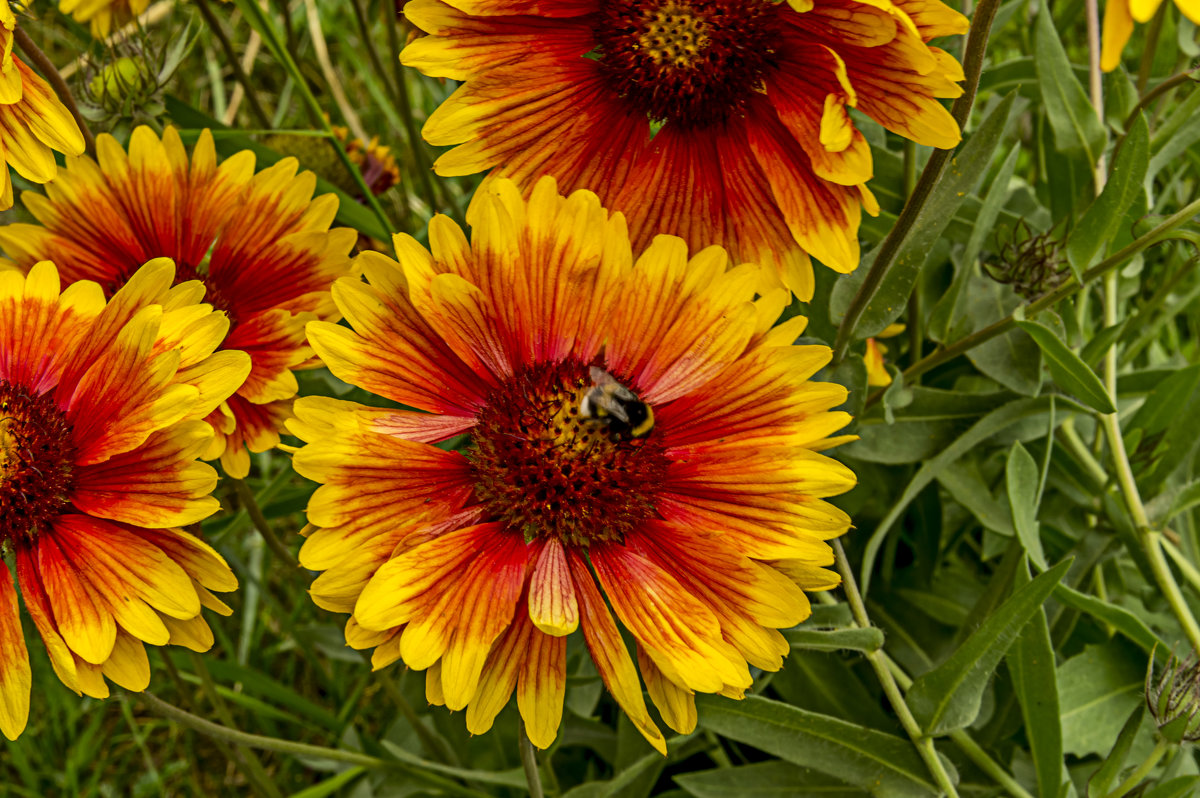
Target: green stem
416	144
529	763
1068	288
976	754
214	25
878	660
250	504
55	79
885	257
246	760
1158	91
1151	48
433	745
1190	573
271	38
226	734
1131	781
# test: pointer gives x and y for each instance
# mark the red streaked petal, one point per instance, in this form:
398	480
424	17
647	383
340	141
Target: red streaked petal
80	616
37	604
542	686
16	678
552	605
677	705
667	620
612	659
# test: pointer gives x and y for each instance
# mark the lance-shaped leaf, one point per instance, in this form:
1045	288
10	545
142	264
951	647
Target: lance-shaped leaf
880	764
1035	681
1072	117
1068	369
948	697
1021	480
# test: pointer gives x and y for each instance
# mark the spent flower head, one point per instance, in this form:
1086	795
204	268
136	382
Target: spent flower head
1174	698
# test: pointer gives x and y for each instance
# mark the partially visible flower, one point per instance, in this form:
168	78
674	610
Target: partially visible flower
259	242
375	161
1174	699
1119	16
33	122
103	15
721	121
699	516
877	373
100	430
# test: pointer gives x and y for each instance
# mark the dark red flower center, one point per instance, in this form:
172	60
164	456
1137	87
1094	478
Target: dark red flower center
212	291
36	461
544	470
688	62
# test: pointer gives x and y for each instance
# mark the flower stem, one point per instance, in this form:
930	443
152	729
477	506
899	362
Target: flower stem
226	734
1139	773
885	257
1068	288
214	25
270	36
55	79
434	746
250	504
1158	91
1151	48
878	660
247	761
529	763
416	145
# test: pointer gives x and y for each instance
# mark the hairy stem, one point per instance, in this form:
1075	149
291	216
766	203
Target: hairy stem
246	497
529	762
52	76
976	47
878	660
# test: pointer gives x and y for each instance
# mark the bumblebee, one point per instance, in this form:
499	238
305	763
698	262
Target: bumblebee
610	401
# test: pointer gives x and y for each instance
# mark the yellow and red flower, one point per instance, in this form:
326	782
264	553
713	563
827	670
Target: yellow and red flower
100	430
703	533
260	243
33	123
721	121
1119	16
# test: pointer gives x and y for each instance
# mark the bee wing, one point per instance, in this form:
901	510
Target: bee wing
600	376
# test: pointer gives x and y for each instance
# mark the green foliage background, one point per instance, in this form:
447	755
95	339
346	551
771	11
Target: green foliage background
1014	592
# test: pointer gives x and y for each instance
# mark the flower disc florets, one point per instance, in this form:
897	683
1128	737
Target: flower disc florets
36	454
691	62
543	469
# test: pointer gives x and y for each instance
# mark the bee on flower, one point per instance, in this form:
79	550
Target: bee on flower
641	435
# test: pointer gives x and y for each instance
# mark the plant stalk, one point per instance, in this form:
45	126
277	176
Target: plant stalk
226	734
1139	773
1067	289
55	79
529	762
214	25
246	497
977	39
878	660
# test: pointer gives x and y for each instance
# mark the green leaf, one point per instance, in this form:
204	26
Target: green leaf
999	419
948	697
775	779
514	777
1167	420
1072	117
1021	480
1102	780
1104	216
881	764
1119	618
1101	342
1032	665
1012	359
1183	500
1068	370
1178	787
332	785
1174	136
1097	689
961	174
870	639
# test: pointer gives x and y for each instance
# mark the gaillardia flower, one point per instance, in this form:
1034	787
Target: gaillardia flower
260	243
1119	16
33	123
100	430
720	121
640	436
